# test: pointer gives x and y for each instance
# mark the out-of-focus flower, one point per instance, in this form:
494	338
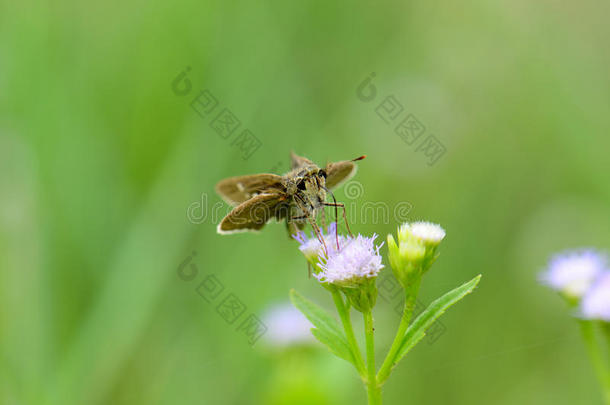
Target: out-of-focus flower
596	302
286	326
572	273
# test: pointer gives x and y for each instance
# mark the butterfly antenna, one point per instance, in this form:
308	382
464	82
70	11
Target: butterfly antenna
358	158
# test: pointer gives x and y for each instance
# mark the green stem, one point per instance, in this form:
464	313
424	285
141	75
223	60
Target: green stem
410	300
349	331
373	388
605	327
595	355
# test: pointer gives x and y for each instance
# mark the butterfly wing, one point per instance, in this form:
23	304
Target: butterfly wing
299	161
253	214
236	190
339	172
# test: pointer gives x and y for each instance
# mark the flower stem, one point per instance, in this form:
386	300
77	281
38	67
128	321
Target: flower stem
410	299
605	327
373	389
349	331
595	355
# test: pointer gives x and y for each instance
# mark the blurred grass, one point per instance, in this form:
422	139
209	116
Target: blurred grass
99	161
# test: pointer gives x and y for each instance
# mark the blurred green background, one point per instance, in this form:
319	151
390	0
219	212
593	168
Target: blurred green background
100	161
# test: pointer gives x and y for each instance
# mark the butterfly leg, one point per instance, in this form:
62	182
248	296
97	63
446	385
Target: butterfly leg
312	222
335	204
323	214
341	205
295	224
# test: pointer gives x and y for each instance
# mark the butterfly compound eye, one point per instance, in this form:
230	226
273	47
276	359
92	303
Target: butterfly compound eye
322	173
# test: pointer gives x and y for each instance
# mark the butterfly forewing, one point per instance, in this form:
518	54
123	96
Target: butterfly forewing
236	190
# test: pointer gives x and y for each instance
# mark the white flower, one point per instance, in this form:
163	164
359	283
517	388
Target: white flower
573	272
596	302
286	326
427	232
357	258
308	246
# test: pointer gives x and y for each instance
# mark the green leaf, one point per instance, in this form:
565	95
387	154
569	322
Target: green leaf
417	330
316	315
338	347
327	330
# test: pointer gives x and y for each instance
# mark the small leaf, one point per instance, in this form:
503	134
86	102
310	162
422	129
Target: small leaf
316	315
417	330
327	329
338	347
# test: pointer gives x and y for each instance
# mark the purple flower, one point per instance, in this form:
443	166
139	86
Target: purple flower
596	302
311	246
573	272
358	258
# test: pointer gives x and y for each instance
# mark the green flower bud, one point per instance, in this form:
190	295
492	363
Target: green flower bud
415	251
412	251
428	233
393	252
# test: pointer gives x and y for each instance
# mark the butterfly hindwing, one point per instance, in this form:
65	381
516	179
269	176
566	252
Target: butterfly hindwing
253	214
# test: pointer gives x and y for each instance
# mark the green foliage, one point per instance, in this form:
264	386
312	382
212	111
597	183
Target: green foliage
417	329
327	329
99	162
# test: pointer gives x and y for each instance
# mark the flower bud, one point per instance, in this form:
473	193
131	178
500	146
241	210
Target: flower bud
415	251
412	251
428	233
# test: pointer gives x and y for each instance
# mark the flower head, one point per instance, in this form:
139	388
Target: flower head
311	246
573	272
308	246
357	259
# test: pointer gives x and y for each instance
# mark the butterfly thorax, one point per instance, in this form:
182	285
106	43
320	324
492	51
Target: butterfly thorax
307	187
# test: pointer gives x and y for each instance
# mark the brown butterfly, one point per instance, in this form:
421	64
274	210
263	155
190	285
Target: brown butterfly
297	196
